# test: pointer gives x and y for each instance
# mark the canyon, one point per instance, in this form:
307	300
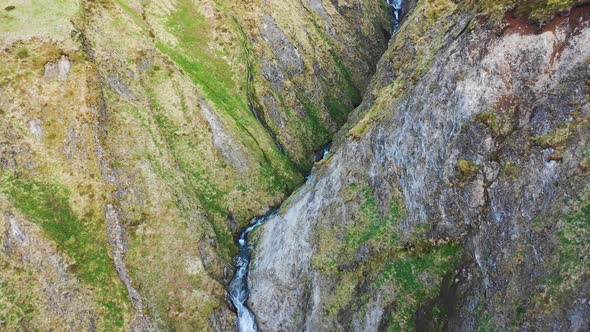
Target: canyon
142	141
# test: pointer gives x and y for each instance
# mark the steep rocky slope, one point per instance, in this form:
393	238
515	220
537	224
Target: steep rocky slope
137	137
457	198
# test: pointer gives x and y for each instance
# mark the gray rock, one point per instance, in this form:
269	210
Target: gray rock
516	79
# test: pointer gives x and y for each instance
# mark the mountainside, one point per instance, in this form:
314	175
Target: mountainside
457	197
138	137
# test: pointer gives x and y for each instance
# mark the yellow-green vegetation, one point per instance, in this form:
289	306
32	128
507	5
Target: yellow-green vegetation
510	170
534	10
387	96
370	228
81	239
352	92
222	81
15	305
24	287
499	122
556	139
559	138
48	178
466	170
484	320
409	267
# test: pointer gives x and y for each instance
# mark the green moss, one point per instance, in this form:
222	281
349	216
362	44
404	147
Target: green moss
22	52
510	171
370	227
467	170
484	324
352	91
460	76
48	206
315	127
574	235
406	271
413	275
275	183
387	96
490	120
18	307
555	140
568	265
374	226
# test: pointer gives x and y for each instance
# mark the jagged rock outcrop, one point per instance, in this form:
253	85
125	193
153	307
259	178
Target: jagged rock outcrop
458	197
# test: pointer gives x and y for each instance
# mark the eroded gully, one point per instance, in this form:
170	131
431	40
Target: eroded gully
238	287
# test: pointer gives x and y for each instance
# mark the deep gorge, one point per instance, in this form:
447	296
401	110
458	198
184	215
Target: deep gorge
139	139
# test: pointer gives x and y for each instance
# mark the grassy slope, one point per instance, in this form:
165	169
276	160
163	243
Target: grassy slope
66	199
140	76
82	240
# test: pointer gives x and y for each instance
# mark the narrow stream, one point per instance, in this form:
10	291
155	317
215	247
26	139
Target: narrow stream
238	287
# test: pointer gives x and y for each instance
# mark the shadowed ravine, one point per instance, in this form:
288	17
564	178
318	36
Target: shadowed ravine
238	287
250	87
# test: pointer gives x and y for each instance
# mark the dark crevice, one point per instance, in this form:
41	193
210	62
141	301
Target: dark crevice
252	104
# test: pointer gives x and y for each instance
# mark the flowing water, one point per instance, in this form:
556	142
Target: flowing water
238	287
397	6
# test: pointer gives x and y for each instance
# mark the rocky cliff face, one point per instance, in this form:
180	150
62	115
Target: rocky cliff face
137	137
457	198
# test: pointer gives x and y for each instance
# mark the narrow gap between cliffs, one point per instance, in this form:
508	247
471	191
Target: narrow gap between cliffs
238	287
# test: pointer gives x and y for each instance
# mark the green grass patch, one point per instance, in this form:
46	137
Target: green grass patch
47	205
352	92
383	230
406	271
212	73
